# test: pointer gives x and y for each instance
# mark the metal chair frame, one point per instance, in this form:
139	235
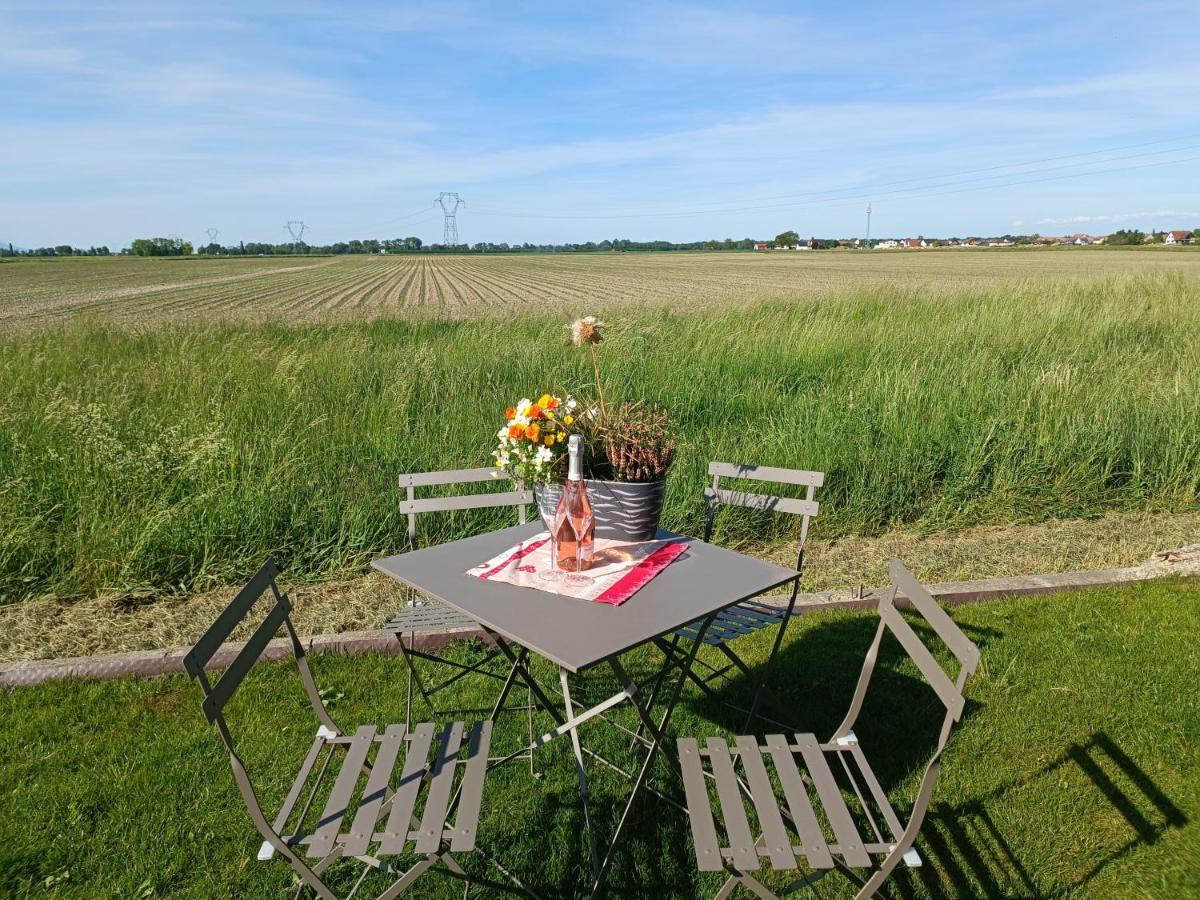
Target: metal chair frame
741	854
431	615
751	615
385	816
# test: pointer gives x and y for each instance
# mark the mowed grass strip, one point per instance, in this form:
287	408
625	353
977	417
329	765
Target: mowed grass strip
181	457
1073	773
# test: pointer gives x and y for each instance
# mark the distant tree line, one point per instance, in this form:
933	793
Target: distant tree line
174	246
60	250
416	245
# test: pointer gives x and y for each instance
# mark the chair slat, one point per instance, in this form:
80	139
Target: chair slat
395	836
704	830
289	802
934	673
742	852
321	841
433	823
804	817
779	845
764	501
850	845
362	830
947	629
873	785
224	689
451	476
755	618
767	473
466	501
466	822
229	619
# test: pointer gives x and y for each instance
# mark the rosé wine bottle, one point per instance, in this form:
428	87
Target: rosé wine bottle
575	538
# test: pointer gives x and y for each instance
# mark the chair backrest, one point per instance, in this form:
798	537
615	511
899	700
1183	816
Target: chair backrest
216	696
413	506
806	508
949	690
277	616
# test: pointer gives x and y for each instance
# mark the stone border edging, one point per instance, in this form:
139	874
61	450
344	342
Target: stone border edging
144	663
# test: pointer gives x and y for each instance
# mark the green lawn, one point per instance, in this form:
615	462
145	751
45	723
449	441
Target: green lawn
1075	770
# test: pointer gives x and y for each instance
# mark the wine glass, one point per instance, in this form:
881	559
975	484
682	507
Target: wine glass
552	521
580	528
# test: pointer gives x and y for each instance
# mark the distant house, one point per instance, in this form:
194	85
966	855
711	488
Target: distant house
913	243
1179	237
761	247
887	245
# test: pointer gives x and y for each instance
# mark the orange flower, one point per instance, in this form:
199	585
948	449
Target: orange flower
510	413
553	404
515	432
532	432
535	412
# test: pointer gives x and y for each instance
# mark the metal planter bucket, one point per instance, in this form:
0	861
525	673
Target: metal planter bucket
624	511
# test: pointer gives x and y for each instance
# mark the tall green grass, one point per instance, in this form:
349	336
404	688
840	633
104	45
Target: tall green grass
179	456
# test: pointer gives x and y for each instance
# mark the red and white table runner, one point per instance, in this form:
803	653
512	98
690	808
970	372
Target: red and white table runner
619	569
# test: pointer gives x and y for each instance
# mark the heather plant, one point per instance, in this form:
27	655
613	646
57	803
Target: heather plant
636	443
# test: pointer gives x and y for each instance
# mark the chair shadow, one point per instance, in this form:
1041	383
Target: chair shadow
972	855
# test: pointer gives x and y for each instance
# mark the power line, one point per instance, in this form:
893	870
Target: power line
424	210
855	199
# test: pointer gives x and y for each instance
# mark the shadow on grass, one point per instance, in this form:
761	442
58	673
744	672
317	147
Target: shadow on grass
968	852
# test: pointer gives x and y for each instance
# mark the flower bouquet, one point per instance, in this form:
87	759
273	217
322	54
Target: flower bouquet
629	446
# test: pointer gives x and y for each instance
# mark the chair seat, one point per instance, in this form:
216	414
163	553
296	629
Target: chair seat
409	765
800	767
744	618
429	616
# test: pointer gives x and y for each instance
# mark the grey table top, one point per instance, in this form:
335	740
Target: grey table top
577	634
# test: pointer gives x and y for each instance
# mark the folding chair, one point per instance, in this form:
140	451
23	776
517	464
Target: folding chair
751	615
803	764
429	615
385	819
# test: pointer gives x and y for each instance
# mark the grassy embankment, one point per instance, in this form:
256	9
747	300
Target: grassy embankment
181	457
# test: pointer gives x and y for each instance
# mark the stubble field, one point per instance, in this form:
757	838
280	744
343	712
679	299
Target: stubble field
331	289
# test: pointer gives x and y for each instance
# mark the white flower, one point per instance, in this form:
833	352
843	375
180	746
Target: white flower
544	454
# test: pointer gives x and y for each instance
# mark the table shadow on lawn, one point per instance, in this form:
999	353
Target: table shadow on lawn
965	853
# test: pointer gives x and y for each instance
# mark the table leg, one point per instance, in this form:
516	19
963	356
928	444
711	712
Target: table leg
584	794
658	733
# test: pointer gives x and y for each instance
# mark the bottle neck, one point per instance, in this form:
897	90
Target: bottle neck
574	459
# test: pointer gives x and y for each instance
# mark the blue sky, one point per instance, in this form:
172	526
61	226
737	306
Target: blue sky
574	121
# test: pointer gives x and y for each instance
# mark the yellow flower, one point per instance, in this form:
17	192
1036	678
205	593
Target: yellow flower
560	437
568	420
544	401
549	442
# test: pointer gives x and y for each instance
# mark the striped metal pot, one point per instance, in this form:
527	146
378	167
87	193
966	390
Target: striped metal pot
624	511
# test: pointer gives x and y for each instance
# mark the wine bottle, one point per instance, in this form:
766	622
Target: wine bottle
576	536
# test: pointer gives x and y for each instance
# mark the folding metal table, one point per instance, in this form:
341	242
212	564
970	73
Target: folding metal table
576	635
